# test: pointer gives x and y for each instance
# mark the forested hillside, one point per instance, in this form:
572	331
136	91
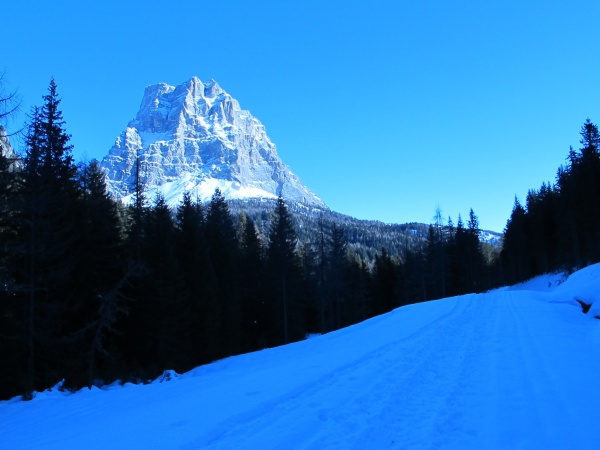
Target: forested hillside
559	225
93	291
365	238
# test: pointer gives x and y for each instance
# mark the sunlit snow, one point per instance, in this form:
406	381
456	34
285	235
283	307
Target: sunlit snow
198	132
513	368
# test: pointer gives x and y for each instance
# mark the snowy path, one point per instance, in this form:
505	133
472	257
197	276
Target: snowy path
482	376
510	369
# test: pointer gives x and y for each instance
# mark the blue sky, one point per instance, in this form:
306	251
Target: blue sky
386	109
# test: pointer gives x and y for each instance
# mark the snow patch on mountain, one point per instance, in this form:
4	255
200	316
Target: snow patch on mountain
194	138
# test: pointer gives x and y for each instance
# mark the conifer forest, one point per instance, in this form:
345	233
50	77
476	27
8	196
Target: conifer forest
93	291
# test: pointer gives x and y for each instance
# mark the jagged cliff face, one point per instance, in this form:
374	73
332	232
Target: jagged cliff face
7	151
5	147
195	137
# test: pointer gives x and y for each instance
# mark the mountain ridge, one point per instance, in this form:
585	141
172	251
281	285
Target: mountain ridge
195	138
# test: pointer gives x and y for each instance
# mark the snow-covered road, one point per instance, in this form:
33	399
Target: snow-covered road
515	368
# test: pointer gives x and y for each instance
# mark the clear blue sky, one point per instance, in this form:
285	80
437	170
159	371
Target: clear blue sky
386	109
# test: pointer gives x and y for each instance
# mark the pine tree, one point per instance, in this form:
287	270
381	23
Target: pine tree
46	254
101	277
437	258
514	255
543	243
337	265
200	280
286	280
165	308
252	268
12	344
224	252
384	284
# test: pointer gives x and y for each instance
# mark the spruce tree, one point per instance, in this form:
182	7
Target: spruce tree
337	265
101	278
47	252
384	284
514	255
200	280
286	280
165	306
224	252
254	307
12	342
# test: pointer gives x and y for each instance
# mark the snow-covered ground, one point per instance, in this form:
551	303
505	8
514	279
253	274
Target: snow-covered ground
512	369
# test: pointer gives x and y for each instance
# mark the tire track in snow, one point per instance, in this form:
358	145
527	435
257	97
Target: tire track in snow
322	406
470	378
431	406
517	389
412	400
541	380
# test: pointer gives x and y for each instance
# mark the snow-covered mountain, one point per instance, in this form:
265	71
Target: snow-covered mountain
7	151
196	138
512	368
5	147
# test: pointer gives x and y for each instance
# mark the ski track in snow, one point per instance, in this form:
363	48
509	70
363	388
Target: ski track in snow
512	369
524	366
476	377
311	408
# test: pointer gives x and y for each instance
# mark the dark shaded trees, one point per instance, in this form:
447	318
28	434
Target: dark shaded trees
100	276
199	278
45	254
255	314
579	184
384	284
437	257
515	258
224	251
285	280
336	278
559	227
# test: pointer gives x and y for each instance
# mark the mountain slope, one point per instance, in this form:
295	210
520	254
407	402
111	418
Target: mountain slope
514	368
195	137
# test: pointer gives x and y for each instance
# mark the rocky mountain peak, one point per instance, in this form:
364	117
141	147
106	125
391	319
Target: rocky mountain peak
195	137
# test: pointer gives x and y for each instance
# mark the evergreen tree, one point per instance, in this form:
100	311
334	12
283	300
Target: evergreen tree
254	307
200	280
162	335
100	278
357	288
514	253
46	254
543	242
579	184
288	321
12	344
223	247
437	258
337	265
474	258
384	284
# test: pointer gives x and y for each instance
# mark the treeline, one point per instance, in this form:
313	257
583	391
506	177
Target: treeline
452	260
365	238
92	291
558	228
